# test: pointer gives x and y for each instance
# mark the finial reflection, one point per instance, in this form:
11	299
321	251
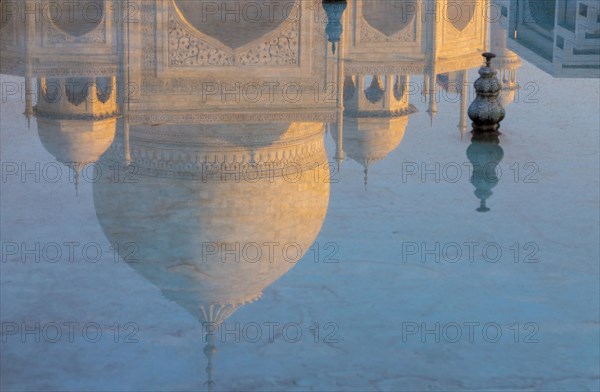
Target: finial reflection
485	154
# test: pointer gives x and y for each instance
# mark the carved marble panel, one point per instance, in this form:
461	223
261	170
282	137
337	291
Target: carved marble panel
369	34
190	47
59	29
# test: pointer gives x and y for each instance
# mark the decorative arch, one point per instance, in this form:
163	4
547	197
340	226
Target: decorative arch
374	93
51	89
104	88
349	88
390	16
236	24
76	90
77	18
400	87
460	13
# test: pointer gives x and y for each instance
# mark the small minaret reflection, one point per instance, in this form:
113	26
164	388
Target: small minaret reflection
28	113
29	37
432	68
334	30
484	154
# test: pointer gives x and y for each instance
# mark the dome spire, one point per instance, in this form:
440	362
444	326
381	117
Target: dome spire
77	168
77	183
210	350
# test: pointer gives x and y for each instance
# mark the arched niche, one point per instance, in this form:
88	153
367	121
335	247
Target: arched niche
77	18
389	17
460	13
236	23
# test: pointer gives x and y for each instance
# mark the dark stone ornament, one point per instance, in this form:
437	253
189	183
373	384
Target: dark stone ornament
486	112
334	29
484	154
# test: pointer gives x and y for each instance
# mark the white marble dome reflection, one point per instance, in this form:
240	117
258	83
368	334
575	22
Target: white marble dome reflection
371	139
76	141
189	230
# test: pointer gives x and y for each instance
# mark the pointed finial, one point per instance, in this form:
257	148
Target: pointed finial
432	111
77	182
333	47
210	349
366	171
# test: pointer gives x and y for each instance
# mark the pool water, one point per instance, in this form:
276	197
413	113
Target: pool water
196	201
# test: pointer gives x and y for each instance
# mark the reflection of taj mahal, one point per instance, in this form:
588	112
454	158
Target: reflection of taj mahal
177	89
191	102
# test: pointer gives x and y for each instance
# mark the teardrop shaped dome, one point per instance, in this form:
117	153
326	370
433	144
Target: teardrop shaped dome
214	243
76	141
370	139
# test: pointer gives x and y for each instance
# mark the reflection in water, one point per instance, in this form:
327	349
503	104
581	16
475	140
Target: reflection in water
206	161
189	206
208	158
368	140
485	155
